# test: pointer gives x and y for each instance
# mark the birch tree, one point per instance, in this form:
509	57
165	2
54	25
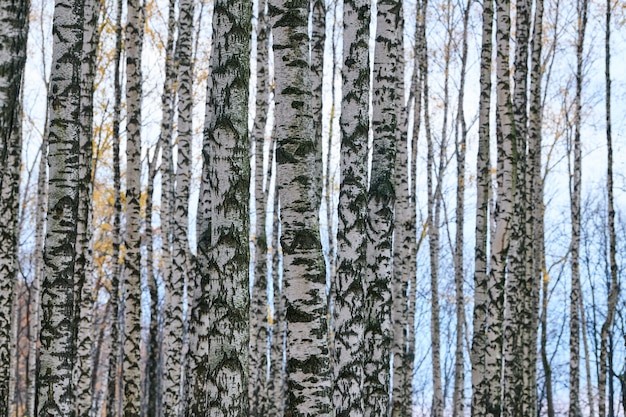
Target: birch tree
40	220
132	259
173	327
575	195
83	269
535	205
515	318
113	382
178	204
522	282
614	288
258	395
55	391
504	214
459	276
13	34
348	286
480	392
387	103
298	158
219	332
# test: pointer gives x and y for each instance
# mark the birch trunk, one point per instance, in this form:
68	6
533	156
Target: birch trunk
258	396
298	159
404	250
348	290
575	193
132	260
173	327
276	384
536	253
181	269
35	288
113	378
219	332
149	367
84	376
614	288
480	393
13	35
504	213
458	399
55	390
387	103
434	205
516	286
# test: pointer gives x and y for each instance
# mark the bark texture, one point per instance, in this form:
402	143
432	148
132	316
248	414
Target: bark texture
481	304
575	195
84	377
387	103
113	381
614	288
348	289
55	390
298	159
131	365
458	399
258	395
219	332
13	34
173	326
504	213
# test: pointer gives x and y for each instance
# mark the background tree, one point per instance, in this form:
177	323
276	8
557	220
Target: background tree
614	288
479	339
13	33
459	275
258	395
575	195
173	305
83	269
132	259
114	382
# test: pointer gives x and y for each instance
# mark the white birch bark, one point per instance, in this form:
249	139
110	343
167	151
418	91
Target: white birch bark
298	158
387	104
348	290
84	377
522	284
55	390
35	288
13	35
614	288
219	332
113	377
458	398
504	213
433	219
276	384
173	304
150	365
258	395
536	254
179	221
480	394
131	363
575	195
